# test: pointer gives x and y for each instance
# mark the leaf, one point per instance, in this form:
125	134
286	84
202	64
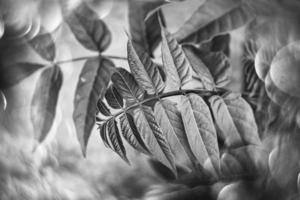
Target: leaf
178	69
131	134
153	136
44	45
204	75
13	74
224	122
145	72
88	29
243	118
44	101
93	81
169	119
219	66
115	140
213	18
200	129
127	86
145	33
113	98
103	108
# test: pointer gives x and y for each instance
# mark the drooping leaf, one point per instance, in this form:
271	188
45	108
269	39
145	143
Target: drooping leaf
145	32
200	130
115	139
243	118
44	101
44	45
131	134
169	119
88	29
13	74
212	18
92	84
177	66
153	136
145	71
127	86
224	122
103	134
113	98
203	74
103	109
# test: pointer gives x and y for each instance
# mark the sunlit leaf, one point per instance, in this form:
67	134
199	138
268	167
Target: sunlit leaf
224	122
145	71
13	74
44	101
169	119
92	84
44	45
113	98
115	140
213	18
243	118
153	136
127	86
200	129
177	66
131	134
88	29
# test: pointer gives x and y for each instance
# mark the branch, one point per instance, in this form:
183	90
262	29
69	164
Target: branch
88	57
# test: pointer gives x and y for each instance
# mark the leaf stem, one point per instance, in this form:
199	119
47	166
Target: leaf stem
88	57
165	95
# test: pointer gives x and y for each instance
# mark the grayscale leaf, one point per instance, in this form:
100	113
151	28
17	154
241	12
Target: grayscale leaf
13	74
131	134
200	129
169	119
115	140
213	18
127	86
243	118
102	108
153	136
88	29
44	101
44	45
224	122
113	98
144	70
92	84
145	33
203	73
177	66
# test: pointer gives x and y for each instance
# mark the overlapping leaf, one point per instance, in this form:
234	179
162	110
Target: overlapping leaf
212	18
44	101
131	134
153	136
177	67
88	29
127	86
200	130
169	119
113	98
93	82
145	71
243	118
